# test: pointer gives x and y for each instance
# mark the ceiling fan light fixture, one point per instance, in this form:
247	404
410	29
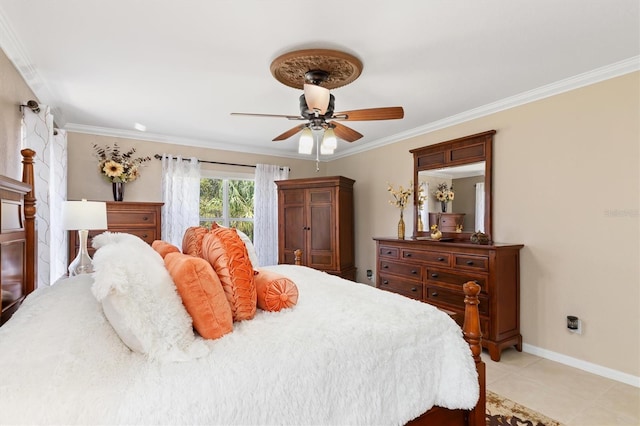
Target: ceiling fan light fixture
329	139
325	149
305	145
317	97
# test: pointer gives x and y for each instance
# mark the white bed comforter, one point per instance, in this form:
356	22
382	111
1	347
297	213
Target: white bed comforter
345	354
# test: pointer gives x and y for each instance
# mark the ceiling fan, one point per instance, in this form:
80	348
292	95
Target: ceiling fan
316	71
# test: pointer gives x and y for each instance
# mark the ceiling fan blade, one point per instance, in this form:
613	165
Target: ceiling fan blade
388	113
290	117
289	133
345	133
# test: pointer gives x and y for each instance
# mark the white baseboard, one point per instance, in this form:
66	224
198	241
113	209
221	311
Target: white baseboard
609	373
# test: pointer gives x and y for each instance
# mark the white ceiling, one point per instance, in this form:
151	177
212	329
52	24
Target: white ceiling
181	67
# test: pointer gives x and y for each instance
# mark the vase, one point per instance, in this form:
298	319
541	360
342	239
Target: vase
443	205
118	190
420	224
401	227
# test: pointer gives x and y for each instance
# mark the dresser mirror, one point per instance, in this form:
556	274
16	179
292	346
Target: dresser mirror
452	187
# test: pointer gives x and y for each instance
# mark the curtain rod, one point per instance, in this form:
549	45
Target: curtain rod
159	157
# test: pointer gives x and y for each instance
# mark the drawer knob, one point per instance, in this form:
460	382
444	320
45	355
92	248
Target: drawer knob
385	266
144	236
434	294
414	289
414	272
434	275
441	259
389	252
469	262
385	282
145	218
407	255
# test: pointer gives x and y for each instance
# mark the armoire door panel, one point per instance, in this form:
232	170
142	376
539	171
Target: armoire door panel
321	228
294	233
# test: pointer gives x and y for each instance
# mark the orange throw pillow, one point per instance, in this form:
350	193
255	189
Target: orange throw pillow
226	252
275	291
201	293
192	240
164	248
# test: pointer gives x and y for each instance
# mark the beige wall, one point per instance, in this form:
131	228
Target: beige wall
566	185
85	182
13	92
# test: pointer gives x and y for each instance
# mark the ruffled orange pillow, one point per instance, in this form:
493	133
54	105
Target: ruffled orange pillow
164	248
192	240
275	291
226	252
202	294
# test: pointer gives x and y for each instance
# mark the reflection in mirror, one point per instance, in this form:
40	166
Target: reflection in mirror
453	198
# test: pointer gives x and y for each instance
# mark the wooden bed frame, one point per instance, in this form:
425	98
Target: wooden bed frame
18	274
472	334
18	244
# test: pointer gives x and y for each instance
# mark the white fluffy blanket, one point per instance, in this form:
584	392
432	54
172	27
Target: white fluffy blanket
346	354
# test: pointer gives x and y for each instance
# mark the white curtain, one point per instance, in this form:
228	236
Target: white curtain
181	197
265	221
51	191
479	207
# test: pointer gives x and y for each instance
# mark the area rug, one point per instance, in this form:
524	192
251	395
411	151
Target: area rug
504	412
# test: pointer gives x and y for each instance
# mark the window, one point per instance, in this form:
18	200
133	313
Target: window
227	201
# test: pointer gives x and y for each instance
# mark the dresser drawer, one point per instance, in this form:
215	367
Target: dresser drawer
400	286
438	295
479	263
132	219
388	252
455	278
430	257
407	270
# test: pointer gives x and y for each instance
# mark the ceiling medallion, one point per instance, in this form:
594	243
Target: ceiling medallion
340	68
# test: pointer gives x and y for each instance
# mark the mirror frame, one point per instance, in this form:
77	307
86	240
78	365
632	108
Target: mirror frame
456	152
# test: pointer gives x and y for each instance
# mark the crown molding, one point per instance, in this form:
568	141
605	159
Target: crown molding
176	140
616	69
20	59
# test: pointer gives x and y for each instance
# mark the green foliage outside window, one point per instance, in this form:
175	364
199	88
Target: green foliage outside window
229	202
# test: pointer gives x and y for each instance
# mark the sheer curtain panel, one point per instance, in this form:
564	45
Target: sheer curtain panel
51	190
265	222
181	197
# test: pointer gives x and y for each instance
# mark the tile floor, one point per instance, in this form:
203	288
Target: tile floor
566	394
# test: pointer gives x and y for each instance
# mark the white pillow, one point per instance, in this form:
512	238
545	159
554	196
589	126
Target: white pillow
141	302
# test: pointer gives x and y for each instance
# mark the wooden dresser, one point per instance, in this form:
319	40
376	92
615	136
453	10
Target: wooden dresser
434	272
316	216
137	218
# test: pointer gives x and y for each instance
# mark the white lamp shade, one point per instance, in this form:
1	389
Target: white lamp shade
317	97
329	139
80	215
305	145
325	150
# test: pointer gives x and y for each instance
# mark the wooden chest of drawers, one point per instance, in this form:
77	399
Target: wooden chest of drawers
137	218
434	272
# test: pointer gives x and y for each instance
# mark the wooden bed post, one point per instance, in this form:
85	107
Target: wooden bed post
473	336
30	221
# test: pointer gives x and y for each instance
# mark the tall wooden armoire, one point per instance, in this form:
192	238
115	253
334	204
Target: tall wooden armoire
316	216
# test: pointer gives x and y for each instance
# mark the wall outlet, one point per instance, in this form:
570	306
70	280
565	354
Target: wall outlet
574	324
369	274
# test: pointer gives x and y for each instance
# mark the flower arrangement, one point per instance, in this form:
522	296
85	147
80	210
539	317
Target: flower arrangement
421	195
444	193
116	166
400	195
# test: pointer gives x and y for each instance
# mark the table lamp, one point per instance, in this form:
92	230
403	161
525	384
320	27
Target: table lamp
83	216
